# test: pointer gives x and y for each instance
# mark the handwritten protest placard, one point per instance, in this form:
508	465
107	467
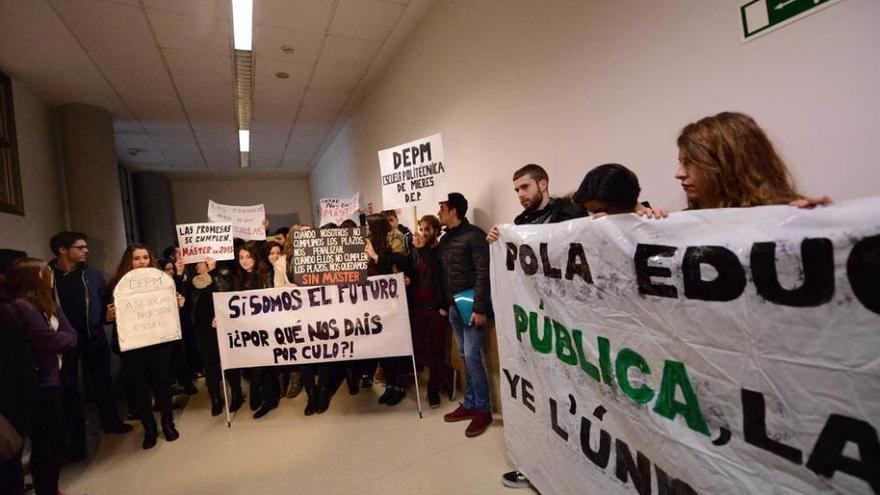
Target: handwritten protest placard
301	325
329	256
413	173
246	221
146	309
199	241
338	210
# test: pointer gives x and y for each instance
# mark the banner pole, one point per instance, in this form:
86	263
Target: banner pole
418	393
225	397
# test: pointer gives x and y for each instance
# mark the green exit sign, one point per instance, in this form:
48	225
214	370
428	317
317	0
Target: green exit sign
762	16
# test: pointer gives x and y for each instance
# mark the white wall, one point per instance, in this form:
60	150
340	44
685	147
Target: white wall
44	203
571	85
280	196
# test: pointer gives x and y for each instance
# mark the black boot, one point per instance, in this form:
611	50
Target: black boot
397	395
236	402
312	394
168	429
150	434
353	383
323	399
217	407
265	408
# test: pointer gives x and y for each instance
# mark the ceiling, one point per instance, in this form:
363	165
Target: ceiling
164	69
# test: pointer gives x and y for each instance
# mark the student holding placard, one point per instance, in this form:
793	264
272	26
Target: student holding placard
253	273
727	161
384	261
149	367
205	279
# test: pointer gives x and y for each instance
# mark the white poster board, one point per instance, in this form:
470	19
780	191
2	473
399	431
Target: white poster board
302	325
246	221
199	241
338	210
146	309
715	352
413	174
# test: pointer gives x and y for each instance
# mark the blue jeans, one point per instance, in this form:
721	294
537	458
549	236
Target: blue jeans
470	341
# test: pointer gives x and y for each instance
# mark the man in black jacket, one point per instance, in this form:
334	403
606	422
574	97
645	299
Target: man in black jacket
532	186
464	258
80	290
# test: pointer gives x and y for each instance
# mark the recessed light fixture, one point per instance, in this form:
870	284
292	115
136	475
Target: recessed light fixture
282	75
244	141
242	30
287	49
242	23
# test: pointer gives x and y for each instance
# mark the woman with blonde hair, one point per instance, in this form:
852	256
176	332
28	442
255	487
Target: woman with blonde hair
727	161
30	282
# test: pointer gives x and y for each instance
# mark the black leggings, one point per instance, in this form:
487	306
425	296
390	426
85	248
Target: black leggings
49	440
150	369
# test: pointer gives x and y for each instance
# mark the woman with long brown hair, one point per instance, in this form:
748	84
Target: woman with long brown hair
252	272
149	367
30	282
727	161
385	261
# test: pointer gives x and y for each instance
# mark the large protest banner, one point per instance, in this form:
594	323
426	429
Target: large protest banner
714	352
413	173
146	309
199	241
338	210
246	221
301	325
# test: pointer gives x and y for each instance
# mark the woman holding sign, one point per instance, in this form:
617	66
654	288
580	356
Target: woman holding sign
253	273
204	280
149	367
727	161
30	281
385	261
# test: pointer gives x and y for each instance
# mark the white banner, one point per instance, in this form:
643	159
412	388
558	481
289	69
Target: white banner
338	210
413	173
199	241
146	309
715	352
247	221
301	325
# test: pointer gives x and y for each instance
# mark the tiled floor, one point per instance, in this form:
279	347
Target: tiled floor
358	446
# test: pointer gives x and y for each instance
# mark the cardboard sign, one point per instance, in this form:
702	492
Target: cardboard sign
413	173
720	351
199	241
302	325
246	221
329	256
338	210
146	309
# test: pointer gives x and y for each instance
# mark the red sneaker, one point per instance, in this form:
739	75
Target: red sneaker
479	423
460	414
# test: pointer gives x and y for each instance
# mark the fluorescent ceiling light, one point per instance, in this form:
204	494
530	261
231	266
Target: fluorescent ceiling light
244	141
242	23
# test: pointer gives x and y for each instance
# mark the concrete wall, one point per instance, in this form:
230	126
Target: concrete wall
287	200
155	210
574	84
571	85
44	204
